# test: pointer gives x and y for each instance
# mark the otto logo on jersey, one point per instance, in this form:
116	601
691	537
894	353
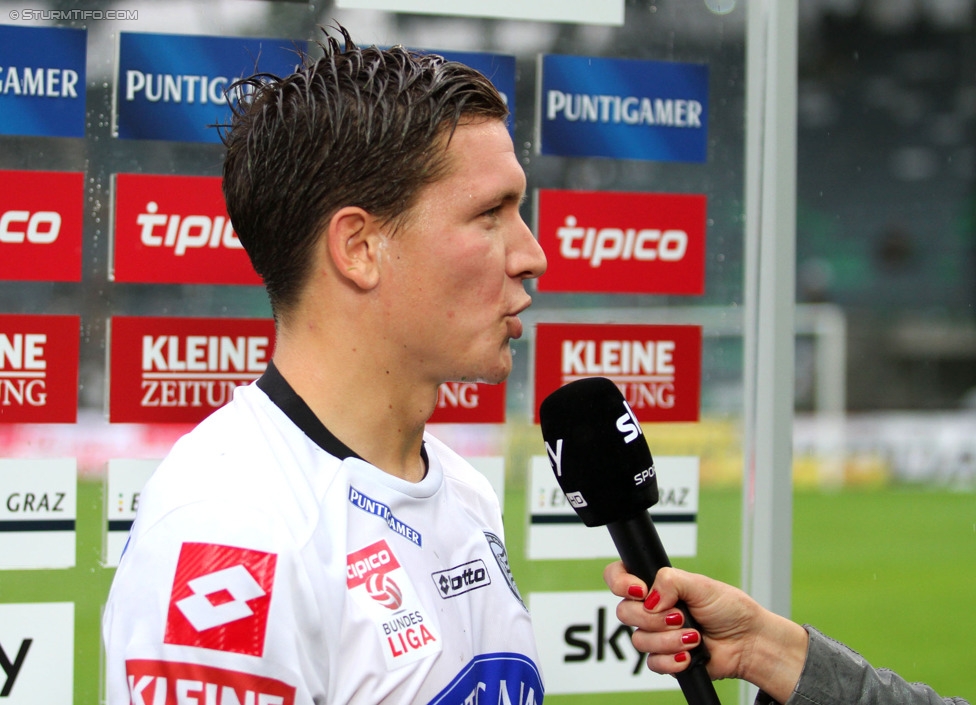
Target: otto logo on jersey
657	368
175	230
220	598
626	243
40	225
174	683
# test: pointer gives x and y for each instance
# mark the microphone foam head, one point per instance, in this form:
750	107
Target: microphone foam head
598	452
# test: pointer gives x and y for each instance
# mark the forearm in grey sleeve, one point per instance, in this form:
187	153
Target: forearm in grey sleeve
836	675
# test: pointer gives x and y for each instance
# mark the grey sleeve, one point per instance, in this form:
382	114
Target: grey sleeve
837	675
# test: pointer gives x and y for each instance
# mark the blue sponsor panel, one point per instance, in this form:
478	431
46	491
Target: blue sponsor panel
174	87
500	70
42	81
623	109
495	678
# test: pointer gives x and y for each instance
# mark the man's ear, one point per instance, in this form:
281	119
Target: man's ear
354	240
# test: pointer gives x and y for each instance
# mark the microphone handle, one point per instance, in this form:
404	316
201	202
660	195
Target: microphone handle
643	554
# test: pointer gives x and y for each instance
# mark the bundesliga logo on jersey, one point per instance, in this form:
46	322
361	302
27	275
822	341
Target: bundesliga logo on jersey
378	582
220	598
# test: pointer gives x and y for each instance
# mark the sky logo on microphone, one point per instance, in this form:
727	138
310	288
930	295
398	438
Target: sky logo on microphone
629	425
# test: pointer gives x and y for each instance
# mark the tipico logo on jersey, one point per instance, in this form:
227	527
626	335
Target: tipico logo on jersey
469	402
181	369
175	87
39	368
42	81
40	225
657	368
176	683
175	230
381	510
622	243
623	108
378	583
220	598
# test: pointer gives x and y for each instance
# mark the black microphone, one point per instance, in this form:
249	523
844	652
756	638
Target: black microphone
598	452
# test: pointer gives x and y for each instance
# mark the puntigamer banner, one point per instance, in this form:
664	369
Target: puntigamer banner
174	87
42	81
500	70
623	108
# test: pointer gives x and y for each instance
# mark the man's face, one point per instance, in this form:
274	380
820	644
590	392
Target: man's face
454	271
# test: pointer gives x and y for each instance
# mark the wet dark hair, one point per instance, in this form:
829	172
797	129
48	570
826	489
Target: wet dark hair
357	127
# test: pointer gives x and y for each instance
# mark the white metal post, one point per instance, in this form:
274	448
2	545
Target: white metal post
770	252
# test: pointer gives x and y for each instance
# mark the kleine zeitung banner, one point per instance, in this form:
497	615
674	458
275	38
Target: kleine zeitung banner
180	370
622	243
656	367
469	402
39	368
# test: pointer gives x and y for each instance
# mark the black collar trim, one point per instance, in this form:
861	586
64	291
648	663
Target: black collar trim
295	408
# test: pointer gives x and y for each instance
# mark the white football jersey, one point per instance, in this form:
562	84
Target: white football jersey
270	565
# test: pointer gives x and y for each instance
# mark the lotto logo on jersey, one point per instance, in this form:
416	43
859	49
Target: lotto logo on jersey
622	243
174	683
175	230
220	598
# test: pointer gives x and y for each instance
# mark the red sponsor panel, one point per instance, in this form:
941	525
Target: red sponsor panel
175	230
180	370
469	402
39	368
40	225
220	598
375	559
622	243
657	368
176	683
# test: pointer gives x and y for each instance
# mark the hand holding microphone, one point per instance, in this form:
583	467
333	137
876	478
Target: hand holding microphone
602	463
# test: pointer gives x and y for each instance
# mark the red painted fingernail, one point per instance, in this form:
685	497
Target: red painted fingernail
636	591
652	600
674	619
681	656
689	638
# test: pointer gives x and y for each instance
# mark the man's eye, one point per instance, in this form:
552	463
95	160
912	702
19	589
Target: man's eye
492	212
